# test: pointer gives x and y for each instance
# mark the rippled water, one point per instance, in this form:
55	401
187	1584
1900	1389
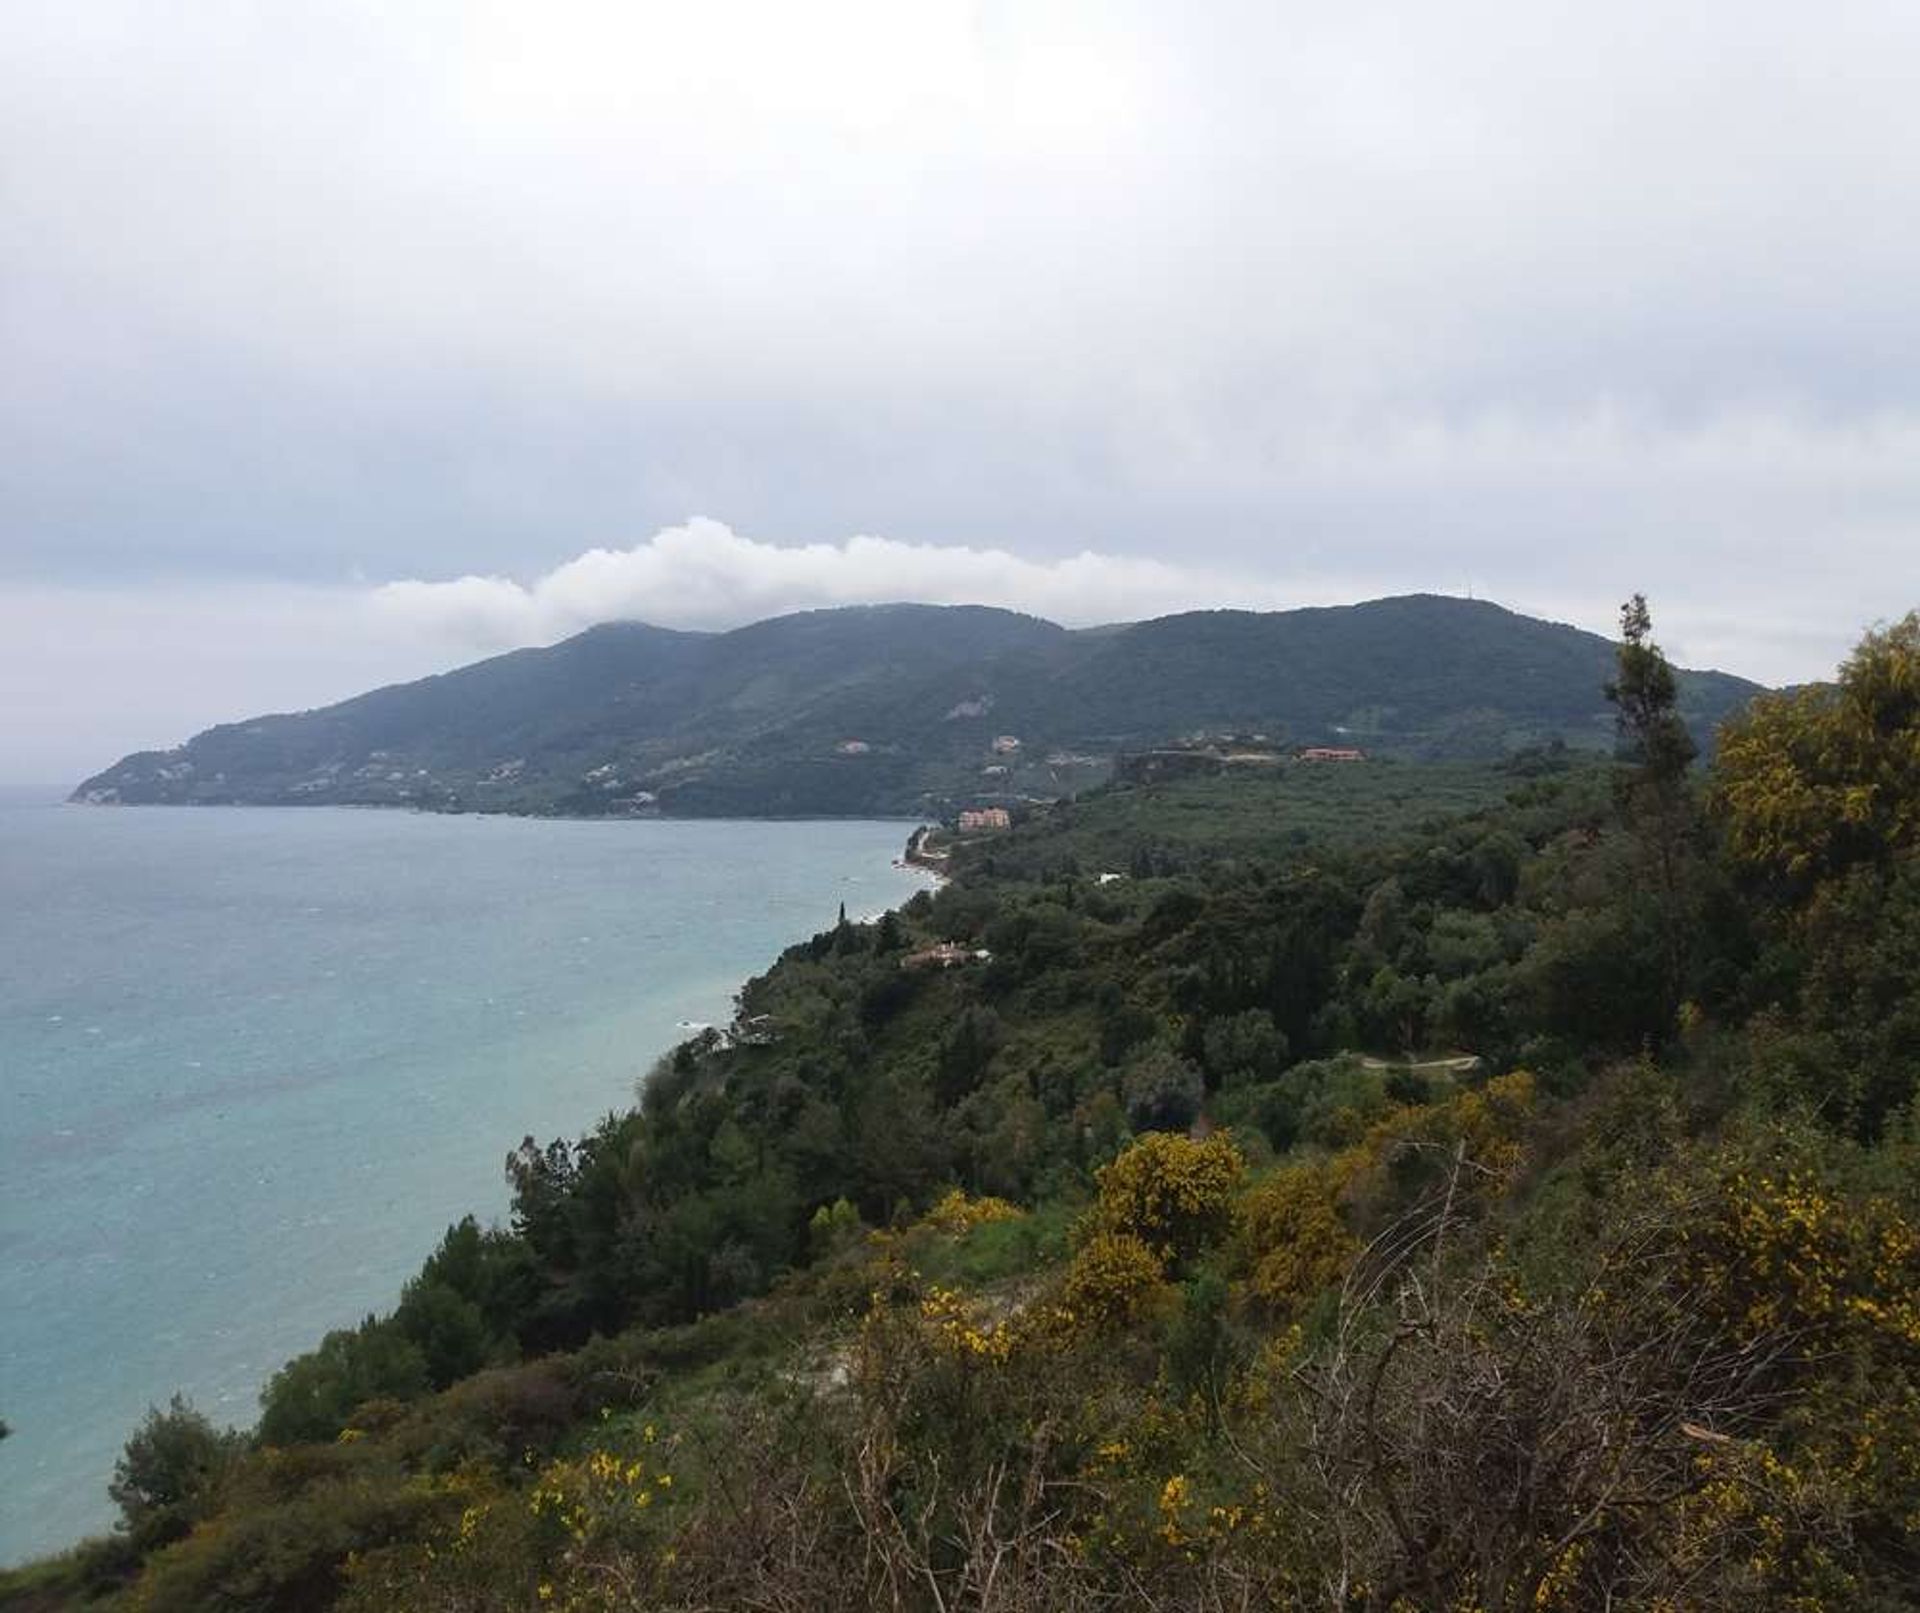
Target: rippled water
253	1061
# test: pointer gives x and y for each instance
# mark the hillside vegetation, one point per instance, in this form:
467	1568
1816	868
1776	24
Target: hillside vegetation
1501	1197
897	710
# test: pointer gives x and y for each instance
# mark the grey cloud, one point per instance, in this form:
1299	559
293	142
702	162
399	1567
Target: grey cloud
1555	299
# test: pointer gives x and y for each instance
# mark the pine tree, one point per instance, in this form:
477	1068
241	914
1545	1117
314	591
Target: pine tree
1650	788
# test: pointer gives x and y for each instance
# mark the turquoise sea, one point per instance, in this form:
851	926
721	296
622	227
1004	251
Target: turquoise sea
254	1061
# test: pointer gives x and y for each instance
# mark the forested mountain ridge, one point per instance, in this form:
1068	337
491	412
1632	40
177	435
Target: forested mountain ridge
1357	1189
897	709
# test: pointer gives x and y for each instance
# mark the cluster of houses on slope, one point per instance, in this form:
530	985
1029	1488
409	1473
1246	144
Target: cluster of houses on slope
978	820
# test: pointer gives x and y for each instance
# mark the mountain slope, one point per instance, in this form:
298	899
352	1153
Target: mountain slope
898	708
1409	671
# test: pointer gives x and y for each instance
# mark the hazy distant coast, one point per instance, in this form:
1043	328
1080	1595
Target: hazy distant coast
906	711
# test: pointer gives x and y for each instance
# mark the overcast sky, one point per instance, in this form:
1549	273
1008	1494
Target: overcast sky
340	343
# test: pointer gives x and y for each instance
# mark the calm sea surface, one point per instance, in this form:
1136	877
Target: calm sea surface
254	1061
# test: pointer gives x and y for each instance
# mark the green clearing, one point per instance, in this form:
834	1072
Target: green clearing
1245	813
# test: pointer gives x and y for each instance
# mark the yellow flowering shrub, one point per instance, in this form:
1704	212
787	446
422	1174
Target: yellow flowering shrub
957	1213
1488	1122
1292	1227
1820	1284
599	1515
1777	1250
1170	1192
1807	782
960	1326
1291	1235
1175	1498
1146	1512
1757	1526
1114	1279
1407	1157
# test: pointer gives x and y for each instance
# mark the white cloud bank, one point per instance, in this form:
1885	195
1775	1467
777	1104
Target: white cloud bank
87	674
703	574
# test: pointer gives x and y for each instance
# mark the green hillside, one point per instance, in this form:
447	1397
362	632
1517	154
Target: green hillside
1371	1189
896	710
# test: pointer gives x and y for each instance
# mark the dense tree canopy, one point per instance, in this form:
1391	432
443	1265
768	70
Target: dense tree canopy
1816	780
1382	1191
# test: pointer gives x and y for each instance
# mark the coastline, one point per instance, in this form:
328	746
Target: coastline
89	1359
934	864
430	810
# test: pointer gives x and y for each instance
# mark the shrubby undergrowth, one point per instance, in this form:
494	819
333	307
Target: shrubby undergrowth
1517	1209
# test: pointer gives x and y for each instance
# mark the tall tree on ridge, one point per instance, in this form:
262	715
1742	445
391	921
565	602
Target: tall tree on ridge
1650	788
